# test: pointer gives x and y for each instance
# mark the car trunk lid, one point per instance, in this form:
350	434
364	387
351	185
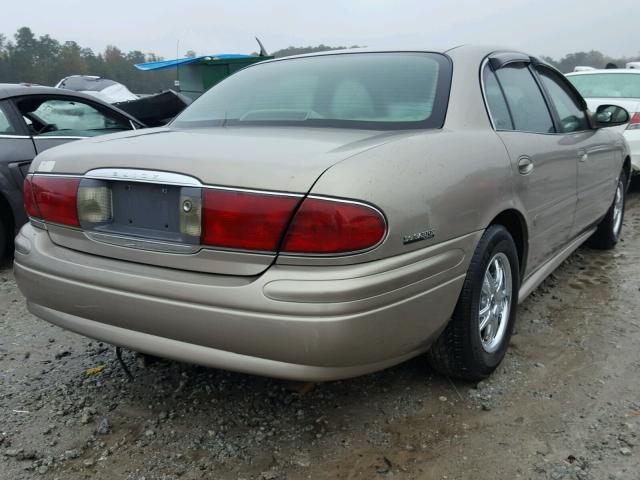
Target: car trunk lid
148	179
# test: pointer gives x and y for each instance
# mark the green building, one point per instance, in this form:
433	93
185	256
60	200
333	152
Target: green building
195	75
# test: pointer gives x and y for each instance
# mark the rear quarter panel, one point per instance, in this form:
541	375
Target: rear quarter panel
451	183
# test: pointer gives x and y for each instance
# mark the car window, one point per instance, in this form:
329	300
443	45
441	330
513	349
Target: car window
572	117
5	125
607	85
62	117
526	103
495	101
363	90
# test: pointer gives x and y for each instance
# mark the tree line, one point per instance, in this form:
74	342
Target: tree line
44	60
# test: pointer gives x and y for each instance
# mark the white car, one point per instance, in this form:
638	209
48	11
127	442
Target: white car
620	86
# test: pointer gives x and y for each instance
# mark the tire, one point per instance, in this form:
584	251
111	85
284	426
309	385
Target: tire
4	240
463	350
608	232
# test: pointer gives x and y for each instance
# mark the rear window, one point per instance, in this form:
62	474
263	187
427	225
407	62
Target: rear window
607	85
353	90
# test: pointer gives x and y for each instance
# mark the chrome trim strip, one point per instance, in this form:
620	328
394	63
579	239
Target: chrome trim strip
16	136
47	174
484	64
163	178
141	244
61	137
250	190
36	222
143	176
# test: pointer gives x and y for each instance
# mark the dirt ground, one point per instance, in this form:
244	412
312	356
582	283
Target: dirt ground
565	404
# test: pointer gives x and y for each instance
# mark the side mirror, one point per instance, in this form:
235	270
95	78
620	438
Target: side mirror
610	116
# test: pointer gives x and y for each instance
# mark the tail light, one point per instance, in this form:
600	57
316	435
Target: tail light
239	220
52	199
256	221
332	226
634	123
245	220
28	199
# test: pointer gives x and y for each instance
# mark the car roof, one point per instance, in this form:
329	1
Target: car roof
470	49
9	90
605	70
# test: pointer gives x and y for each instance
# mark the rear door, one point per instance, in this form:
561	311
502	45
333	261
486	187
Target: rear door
597	157
543	161
57	119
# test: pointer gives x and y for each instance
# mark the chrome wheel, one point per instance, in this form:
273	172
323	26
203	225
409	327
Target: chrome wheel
618	208
495	302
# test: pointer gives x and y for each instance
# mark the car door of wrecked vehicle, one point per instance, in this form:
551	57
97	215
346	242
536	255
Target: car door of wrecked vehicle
55	120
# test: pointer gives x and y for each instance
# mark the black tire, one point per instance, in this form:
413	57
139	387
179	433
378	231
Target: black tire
4	240
608	232
459	351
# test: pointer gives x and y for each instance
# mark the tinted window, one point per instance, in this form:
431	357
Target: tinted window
5	125
58	117
607	85
527	105
572	118
371	90
496	102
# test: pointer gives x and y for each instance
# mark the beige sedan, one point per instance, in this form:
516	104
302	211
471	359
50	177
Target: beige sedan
325	216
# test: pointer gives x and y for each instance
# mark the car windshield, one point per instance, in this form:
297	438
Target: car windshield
354	90
607	85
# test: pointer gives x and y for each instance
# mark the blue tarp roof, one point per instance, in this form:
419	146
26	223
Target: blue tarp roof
185	61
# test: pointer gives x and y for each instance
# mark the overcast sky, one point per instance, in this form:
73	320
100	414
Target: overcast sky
539	27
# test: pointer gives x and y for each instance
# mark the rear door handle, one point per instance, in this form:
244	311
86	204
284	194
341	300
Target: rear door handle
525	165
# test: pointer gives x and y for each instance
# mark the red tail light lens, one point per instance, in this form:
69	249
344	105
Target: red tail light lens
28	200
245	220
55	199
332	226
634	123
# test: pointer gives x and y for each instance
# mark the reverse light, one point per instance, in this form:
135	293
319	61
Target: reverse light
55	199
191	215
634	123
95	203
325	226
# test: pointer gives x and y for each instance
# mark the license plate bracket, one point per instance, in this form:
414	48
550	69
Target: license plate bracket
148	210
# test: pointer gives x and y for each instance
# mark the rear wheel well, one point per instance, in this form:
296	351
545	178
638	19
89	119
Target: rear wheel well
514	222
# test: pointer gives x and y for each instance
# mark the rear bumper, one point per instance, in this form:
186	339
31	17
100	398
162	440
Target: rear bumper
304	323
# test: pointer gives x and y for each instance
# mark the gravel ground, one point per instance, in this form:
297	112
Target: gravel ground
565	404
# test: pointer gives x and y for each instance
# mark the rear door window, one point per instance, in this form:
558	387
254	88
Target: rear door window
572	117
496	102
526	103
6	127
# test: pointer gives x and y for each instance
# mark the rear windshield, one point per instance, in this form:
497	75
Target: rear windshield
353	90
607	85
